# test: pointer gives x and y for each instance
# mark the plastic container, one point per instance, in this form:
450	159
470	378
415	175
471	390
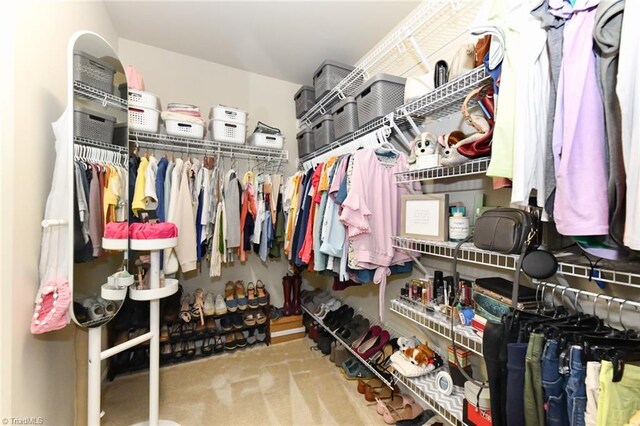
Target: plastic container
143	99
93	125
92	71
379	96
329	74
184	129
323	131
345	117
143	119
228	114
306	142
265	140
304	98
224	131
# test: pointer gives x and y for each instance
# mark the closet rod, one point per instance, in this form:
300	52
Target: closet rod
212	150
597	296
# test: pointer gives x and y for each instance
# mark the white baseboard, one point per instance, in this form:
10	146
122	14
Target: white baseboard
287	332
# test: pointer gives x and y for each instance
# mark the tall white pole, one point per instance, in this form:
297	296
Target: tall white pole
154	349
93	390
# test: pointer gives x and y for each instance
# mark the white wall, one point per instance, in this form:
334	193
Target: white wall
174	77
38	372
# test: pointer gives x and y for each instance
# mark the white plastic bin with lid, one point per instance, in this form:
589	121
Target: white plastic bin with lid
143	99
224	131
265	140
143	119
184	129
228	114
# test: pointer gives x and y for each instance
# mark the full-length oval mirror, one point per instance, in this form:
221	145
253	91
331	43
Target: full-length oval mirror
99	206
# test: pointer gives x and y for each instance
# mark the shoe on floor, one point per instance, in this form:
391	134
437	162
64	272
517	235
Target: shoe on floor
249	319
229	297
241	342
236	321
209	306
229	342
260	318
241	296
261	294
252	299
226	324
218	344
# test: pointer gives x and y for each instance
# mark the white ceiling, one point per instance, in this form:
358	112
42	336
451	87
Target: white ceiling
282	39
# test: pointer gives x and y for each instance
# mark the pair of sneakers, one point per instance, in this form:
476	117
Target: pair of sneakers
324	308
214	305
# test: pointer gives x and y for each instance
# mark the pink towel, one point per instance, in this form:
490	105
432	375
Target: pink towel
51	308
116	230
134	78
153	231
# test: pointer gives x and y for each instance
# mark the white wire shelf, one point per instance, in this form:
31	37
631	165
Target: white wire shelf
465	337
348	347
106	99
473	167
98	144
449	407
174	143
620	273
447	20
441	102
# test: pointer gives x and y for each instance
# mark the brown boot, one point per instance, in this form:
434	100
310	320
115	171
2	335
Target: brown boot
295	300
286	293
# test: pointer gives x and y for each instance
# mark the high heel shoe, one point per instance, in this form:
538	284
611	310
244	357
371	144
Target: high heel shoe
197	311
185	312
397	401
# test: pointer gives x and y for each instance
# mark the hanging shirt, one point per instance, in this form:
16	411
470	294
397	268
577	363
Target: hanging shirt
161	174
138	203
167	187
628	90
185	221
170	259
95	212
150	195
232	204
579	145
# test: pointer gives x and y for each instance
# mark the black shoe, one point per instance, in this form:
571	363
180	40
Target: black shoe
237	321
229	342
226	324
241	342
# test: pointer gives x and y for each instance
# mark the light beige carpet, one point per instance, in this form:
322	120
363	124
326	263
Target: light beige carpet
283	384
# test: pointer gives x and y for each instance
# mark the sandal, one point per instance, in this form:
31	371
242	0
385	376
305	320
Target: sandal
392	415
211	325
383	392
252	300
166	352
164	333
218	345
229	296
261	318
197	311
364	384
207	346
262	294
175	331
229	342
178	349
397	401
249	319
185	312
241	296
190	352
241	341
189	329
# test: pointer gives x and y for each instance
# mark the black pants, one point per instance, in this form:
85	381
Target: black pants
494	348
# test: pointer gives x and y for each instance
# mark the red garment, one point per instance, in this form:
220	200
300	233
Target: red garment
307	246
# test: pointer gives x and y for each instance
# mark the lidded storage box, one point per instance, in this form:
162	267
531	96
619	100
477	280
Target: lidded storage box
329	74
323	131
228	114
90	124
92	71
143	99
379	96
265	140
306	143
345	117
304	98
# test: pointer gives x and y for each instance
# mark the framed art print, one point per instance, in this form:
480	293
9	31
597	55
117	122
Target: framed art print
424	217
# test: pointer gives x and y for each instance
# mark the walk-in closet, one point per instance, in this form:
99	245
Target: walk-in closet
420	212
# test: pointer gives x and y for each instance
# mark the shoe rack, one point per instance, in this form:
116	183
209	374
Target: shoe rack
138	358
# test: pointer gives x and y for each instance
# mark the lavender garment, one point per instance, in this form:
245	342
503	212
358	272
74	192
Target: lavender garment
579	143
95	217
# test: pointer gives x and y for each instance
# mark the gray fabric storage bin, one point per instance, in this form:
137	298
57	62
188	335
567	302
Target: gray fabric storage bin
305	99
329	74
90	124
306	143
379	96
92	71
120	134
323	131
345	117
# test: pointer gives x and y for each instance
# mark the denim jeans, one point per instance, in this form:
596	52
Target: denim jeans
516	355
576	390
553	384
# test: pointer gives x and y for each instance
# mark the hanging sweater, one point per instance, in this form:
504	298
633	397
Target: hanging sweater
170	259
186	223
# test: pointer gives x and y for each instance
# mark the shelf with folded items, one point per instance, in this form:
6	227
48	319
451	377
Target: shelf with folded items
162	142
569	264
464	336
449	407
473	167
348	347
85	91
428	31
441	102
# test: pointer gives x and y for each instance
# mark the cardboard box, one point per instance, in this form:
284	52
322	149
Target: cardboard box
463	356
285	329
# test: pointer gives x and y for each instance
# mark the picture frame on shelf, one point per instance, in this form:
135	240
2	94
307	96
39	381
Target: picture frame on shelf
424	217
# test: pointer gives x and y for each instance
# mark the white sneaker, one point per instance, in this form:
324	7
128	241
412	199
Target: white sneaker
220	305
208	306
334	304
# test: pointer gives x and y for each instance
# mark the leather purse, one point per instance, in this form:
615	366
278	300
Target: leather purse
482	48
480	145
506	230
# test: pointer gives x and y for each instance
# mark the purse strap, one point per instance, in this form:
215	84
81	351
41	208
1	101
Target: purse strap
465	108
